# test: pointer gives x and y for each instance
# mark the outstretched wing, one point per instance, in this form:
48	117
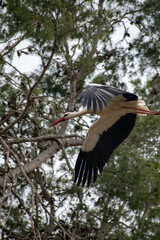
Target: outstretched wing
96	96
90	162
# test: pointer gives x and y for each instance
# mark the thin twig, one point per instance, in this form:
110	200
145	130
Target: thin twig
30	92
66	158
50	137
9	48
36	162
34	189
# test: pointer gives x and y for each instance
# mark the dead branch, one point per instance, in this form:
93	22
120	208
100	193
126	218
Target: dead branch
30	92
49	137
36	163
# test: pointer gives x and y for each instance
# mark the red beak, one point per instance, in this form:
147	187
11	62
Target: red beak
58	121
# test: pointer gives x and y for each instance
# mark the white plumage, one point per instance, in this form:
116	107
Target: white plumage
117	110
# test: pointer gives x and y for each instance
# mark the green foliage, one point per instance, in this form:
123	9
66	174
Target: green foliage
107	42
16	221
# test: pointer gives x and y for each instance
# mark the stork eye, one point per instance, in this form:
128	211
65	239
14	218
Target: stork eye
65	115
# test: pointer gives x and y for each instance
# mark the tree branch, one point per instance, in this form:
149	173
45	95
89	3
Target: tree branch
155	89
36	163
23	172
95	40
30	92
50	137
8	48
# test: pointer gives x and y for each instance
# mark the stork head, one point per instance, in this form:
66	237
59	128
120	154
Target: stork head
69	115
65	117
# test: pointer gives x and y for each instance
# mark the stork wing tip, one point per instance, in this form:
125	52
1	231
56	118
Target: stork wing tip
88	164
96	96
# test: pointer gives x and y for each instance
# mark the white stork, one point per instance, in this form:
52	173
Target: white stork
117	110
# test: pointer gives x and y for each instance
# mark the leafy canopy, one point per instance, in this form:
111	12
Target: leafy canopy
76	42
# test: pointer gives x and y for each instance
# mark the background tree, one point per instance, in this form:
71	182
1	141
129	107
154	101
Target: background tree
76	42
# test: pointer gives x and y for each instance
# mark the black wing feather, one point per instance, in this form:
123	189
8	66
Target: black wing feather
82	170
78	164
97	96
85	175
89	102
90	170
100	103
109	140
95	169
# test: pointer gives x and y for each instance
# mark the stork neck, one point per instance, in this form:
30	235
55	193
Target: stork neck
78	114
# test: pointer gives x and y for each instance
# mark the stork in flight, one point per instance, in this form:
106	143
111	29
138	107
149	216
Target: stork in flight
117	110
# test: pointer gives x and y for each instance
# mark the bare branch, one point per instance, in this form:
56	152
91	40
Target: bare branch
24	173
50	137
36	163
8	48
12	113
155	89
66	158
95	40
30	92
